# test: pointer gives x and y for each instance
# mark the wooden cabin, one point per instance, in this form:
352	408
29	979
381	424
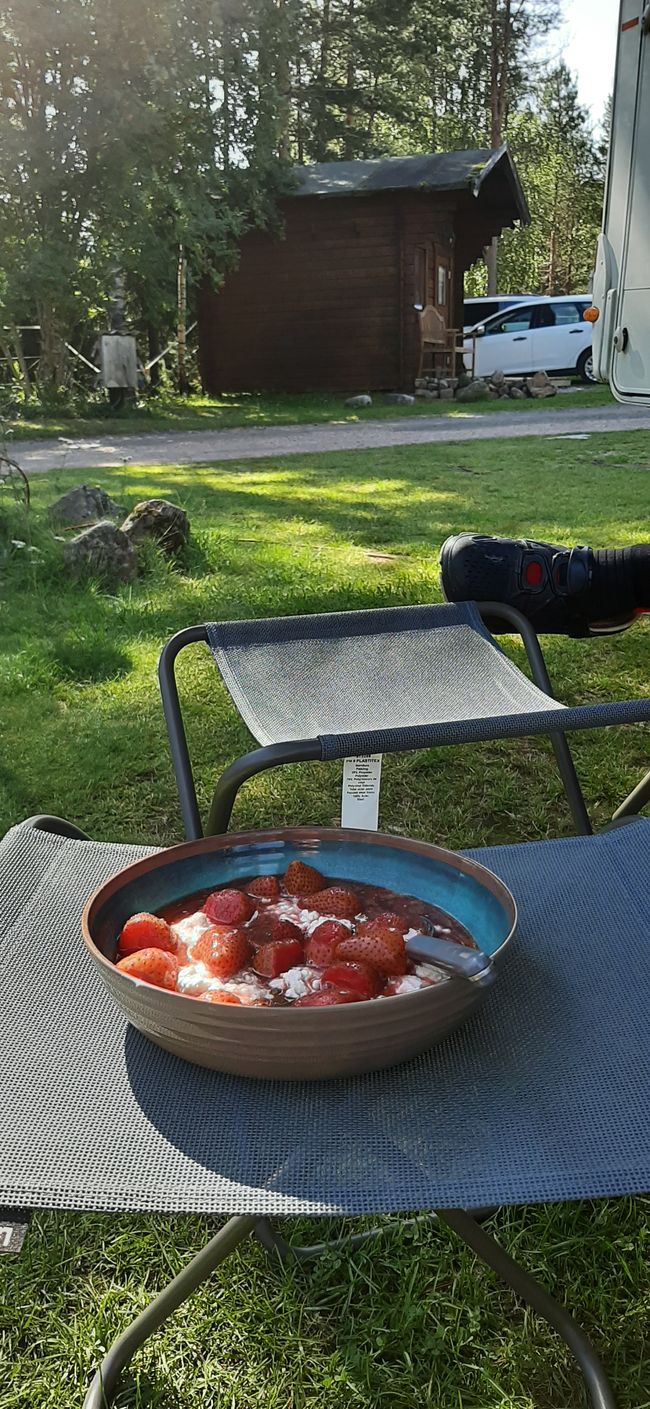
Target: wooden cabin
332	304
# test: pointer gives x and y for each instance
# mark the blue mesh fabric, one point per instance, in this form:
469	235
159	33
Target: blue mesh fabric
380	681
544	1094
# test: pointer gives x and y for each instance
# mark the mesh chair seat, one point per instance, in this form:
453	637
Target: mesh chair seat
379	681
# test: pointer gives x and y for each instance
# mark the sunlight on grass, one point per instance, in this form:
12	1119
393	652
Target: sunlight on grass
413	1319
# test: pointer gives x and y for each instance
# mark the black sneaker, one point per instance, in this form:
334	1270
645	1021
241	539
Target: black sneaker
551	586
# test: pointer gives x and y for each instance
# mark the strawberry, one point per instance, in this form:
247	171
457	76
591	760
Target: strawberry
151	966
326	998
353	978
264	888
146	932
300	879
322	942
220	995
344	904
228	907
285	929
378	944
278	956
396	922
224	952
182	954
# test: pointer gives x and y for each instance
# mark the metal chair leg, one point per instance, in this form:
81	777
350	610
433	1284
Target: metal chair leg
231	780
101	1392
600	1392
635	801
286	1252
564	758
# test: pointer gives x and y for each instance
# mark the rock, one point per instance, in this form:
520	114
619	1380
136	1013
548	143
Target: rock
363	400
443	384
464	379
494	393
102	551
424	394
516	393
447	393
497	379
398	398
163	523
420	382
85	504
476	391
541	385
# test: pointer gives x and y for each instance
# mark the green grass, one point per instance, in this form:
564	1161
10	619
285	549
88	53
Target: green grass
413	1320
232	410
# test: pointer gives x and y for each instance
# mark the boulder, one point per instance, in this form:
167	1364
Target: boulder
426	394
476	391
85	504
103	552
516	393
158	521
447	393
464	379
497	379
354	401
541	385
398	398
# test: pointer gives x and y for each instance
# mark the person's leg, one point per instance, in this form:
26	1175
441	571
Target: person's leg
570	591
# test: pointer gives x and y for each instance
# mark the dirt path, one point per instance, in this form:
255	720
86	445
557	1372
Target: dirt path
194	447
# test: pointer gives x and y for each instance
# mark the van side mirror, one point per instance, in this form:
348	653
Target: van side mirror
480	331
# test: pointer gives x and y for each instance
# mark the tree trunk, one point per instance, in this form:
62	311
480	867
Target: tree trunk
348	143
491	257
17	345
500	36
183	384
51	365
153	343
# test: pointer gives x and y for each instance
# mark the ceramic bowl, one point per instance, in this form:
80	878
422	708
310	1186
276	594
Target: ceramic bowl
300	1043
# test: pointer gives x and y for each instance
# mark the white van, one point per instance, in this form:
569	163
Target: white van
621	288
545	335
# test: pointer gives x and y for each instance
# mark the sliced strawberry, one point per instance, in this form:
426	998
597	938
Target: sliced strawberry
300	879
154	966
319	948
228	907
326	998
275	958
224	952
221	995
396	922
264	888
285	929
146	932
354	978
344	904
182	954
378	944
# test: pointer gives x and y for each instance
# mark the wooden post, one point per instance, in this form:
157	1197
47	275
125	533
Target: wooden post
181	285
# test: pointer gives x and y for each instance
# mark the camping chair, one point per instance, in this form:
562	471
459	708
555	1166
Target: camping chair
440	344
543	1096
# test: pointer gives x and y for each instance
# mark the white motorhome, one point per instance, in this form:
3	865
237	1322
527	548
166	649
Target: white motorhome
621	288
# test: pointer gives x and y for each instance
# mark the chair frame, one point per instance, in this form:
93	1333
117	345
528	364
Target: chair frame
466	1225
306	750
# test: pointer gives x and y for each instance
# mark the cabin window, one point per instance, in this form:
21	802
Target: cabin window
441	288
421	273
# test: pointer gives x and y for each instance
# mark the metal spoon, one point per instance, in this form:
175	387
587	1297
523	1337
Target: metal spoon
457	959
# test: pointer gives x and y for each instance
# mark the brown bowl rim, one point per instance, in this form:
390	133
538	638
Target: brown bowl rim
221	840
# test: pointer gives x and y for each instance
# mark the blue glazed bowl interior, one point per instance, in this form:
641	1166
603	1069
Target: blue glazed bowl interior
408	872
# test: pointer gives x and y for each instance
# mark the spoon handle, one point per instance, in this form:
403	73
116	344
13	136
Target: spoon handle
471	964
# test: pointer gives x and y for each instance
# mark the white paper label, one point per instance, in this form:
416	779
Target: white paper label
360	801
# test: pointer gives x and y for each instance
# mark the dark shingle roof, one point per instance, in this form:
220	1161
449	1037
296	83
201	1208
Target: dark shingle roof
440	171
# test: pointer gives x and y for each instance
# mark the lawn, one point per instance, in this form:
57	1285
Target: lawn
226	412
412	1320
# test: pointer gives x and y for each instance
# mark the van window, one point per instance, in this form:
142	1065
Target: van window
477	312
564	313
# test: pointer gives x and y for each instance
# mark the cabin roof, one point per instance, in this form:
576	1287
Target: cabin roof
481	171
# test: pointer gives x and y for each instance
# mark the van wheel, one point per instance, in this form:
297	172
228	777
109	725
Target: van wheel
585	366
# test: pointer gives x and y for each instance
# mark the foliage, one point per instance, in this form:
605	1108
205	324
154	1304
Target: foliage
128	130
